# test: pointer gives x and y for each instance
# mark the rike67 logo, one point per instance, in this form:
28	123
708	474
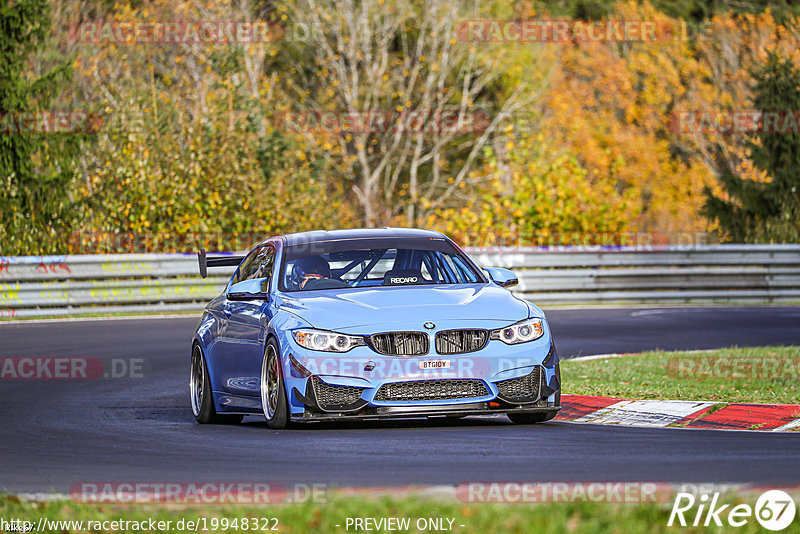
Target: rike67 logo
774	510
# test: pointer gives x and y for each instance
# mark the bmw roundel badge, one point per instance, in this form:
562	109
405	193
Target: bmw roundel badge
429	325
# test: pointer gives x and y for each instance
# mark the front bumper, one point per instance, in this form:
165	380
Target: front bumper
455	397
363	384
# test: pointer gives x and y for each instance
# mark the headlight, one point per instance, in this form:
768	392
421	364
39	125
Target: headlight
326	341
523	331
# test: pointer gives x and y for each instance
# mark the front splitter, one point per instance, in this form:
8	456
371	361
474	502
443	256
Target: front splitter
403	412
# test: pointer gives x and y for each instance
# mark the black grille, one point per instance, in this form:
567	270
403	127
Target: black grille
334	397
400	343
460	341
420	390
524	388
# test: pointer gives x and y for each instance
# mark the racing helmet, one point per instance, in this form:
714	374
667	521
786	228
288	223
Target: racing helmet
308	266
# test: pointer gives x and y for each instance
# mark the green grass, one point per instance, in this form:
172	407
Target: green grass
690	376
590	518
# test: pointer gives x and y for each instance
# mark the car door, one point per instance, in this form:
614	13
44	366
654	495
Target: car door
241	346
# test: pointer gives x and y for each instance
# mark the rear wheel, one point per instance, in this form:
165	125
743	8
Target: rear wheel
200	391
531	418
273	392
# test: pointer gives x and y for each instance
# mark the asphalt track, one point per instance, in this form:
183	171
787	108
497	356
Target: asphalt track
57	433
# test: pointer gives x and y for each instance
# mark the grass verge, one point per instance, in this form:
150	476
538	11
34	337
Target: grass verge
757	375
331	516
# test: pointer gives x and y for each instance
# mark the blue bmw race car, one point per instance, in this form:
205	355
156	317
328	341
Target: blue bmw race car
367	324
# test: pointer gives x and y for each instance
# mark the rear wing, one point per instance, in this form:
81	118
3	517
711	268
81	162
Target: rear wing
216	261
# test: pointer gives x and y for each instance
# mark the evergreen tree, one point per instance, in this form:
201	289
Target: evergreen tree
752	211
36	169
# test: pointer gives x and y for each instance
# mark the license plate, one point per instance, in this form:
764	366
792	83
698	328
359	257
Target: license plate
434	364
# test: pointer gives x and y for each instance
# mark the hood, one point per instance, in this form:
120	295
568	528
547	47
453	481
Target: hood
332	309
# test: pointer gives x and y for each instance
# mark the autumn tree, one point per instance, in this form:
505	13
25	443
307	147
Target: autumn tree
539	195
609	104
375	59
188	156
200	140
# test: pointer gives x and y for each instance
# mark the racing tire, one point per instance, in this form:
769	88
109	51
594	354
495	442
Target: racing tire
201	395
273	391
533	418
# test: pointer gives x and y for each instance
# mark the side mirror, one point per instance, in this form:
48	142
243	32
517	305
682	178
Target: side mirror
502	277
257	288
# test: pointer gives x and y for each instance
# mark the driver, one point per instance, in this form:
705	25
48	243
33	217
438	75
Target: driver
311	268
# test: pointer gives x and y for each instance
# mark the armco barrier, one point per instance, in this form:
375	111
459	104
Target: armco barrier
114	283
71	285
677	274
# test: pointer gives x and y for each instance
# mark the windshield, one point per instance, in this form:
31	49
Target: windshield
374	262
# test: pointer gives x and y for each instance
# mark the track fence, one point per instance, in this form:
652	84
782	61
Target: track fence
81	284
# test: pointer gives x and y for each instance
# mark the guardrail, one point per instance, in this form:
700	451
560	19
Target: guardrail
113	283
81	284
678	274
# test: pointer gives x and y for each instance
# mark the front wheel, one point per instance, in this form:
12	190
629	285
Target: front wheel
273	392
200	391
